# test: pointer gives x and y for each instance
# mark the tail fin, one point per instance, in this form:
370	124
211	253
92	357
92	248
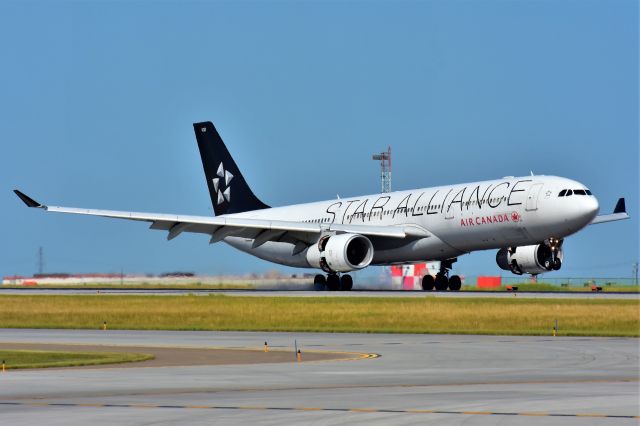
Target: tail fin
227	187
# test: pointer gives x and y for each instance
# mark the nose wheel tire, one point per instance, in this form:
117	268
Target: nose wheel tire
346	282
428	282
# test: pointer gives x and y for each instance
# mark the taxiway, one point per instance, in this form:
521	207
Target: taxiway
417	379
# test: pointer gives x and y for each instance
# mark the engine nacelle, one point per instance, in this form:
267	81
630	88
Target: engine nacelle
341	253
533	260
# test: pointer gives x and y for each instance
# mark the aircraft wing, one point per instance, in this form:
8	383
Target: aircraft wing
619	213
219	227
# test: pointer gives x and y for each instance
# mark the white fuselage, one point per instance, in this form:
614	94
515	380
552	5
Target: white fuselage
513	211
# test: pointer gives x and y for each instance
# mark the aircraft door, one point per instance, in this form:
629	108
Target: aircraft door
532	198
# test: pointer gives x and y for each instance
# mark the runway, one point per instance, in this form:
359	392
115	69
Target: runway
417	379
306	293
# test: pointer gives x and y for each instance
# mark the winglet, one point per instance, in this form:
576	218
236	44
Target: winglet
620	206
30	202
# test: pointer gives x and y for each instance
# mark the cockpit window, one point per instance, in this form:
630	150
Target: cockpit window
568	192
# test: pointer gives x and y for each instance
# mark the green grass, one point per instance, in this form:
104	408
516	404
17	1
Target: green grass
15	359
513	316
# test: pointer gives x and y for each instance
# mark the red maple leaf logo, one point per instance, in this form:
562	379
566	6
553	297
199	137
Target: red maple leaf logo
515	217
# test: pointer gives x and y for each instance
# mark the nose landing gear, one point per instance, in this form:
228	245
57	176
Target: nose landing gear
554	261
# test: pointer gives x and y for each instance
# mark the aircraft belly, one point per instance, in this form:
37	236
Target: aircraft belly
423	249
431	248
272	251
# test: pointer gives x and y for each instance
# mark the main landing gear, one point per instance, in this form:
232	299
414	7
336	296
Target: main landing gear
442	280
333	282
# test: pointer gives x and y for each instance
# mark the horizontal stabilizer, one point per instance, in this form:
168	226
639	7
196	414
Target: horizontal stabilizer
619	213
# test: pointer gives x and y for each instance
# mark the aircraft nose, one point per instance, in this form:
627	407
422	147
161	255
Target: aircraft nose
589	208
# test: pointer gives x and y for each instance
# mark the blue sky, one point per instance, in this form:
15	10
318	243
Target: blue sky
98	98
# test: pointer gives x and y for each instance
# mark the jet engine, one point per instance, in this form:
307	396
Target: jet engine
341	253
533	260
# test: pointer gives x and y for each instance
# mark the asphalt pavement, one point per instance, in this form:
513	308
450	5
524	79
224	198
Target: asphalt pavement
415	379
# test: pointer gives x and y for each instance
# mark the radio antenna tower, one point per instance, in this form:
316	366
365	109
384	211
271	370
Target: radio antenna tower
40	261
385	169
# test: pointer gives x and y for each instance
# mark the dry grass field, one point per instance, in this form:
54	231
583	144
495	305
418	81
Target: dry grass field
576	317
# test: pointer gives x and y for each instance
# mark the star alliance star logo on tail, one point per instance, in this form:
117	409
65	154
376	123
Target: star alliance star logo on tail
226	176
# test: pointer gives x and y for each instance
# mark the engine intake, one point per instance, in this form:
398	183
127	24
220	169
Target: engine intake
534	259
341	253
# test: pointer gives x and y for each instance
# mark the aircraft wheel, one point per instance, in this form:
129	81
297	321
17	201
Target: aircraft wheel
333	282
442	282
346	282
557	264
428	282
455	283
319	283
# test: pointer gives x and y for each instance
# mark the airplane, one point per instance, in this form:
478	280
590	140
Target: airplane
525	218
